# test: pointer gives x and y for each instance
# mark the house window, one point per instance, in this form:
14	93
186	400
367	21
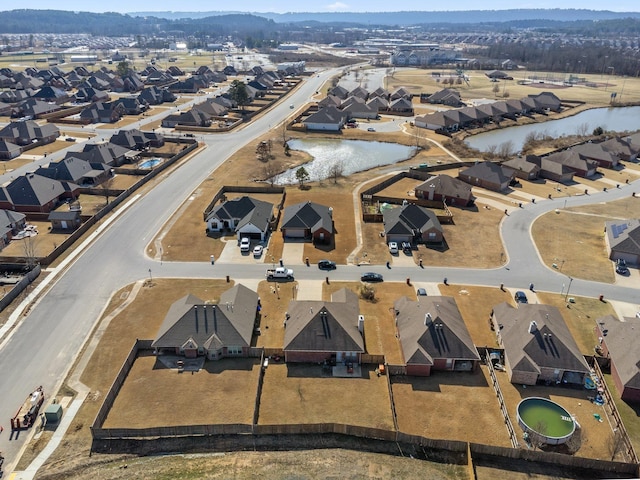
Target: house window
432	236
234	350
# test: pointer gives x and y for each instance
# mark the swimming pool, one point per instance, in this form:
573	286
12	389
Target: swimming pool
152	162
547	419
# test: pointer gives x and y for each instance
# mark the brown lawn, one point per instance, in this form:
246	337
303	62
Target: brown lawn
433	407
300	394
475	305
222	392
578	233
275	298
580	317
379	324
629	412
594	435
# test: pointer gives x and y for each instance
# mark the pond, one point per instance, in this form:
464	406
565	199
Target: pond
350	155
621	119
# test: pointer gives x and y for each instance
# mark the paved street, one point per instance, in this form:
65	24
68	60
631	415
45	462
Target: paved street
43	347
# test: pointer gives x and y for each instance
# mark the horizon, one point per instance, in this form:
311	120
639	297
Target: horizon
357	6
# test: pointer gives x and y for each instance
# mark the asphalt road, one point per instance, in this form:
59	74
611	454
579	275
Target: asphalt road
41	350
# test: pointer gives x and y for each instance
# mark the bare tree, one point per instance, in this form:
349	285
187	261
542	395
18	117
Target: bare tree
106	187
30	250
495	89
537	436
336	170
582	130
270	171
505	149
263	151
615	443
284	134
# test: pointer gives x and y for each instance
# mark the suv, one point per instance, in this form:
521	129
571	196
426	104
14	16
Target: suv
520	297
245	244
406	247
393	247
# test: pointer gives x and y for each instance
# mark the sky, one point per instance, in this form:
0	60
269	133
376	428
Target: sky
283	6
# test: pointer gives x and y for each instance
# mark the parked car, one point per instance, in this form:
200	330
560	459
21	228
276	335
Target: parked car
326	265
520	297
371	277
245	244
371	129
421	292
393	247
257	251
621	267
70	139
406	247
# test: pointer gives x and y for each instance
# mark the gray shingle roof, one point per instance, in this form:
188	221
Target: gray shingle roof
433	329
551	344
318	326
624	236
307	215
619	337
409	219
229	323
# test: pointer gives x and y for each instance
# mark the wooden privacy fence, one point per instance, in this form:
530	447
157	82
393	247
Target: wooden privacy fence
486	452
622	431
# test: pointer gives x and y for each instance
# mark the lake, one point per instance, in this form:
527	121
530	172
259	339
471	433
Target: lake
353	155
621	119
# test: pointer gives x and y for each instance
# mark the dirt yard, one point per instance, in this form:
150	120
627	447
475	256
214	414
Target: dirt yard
432	407
301	394
154	395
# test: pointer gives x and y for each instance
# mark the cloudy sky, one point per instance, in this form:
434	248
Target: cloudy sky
283	6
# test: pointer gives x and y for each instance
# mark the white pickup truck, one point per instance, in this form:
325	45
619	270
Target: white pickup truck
279	273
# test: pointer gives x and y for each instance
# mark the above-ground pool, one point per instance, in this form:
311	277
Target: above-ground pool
546	419
152	162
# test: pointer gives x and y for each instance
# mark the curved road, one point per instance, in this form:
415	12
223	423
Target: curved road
44	346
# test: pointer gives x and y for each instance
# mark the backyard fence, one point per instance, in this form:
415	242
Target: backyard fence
123	195
24	282
609	402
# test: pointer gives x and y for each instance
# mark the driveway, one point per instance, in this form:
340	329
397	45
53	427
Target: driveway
292	252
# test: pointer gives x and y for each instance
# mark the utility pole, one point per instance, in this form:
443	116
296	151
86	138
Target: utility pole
568	288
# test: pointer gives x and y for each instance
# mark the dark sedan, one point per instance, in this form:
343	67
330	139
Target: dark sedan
371	277
326	265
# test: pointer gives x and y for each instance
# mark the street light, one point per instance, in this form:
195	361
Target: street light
568	288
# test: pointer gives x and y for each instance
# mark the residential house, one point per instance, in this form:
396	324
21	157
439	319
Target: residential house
488	175
193	118
35	193
522	168
156	96
194	328
9	150
319	331
339	91
433	336
581	166
615	339
538	346
412	223
446	189
135	139
623	240
132	105
595	152
547	101
103	112
401	106
65	220
355	107
551	170
446	96
105	153
10	223
623	148
51	94
246	216
75	170
326	119
308	220
90	94
29	132
33	108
